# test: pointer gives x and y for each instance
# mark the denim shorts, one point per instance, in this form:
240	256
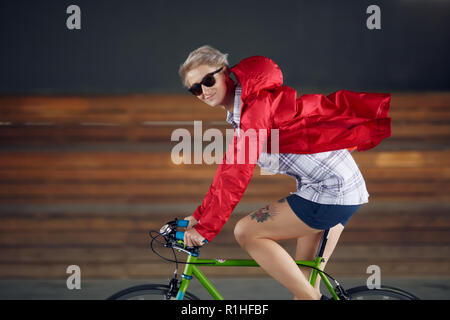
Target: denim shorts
320	216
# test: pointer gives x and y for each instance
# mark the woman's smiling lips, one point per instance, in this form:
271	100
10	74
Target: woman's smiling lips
210	96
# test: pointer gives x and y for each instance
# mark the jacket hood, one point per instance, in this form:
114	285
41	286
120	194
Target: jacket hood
257	73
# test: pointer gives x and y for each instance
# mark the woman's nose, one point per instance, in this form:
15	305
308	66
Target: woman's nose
206	90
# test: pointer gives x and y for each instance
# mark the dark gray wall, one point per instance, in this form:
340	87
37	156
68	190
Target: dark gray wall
136	46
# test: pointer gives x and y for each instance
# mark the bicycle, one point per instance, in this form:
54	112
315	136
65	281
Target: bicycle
177	289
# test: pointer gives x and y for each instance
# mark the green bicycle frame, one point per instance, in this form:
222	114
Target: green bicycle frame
192	270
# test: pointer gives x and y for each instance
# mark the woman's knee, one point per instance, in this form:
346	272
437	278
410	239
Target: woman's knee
241	231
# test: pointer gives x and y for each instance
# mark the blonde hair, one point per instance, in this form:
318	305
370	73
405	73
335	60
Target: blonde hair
205	55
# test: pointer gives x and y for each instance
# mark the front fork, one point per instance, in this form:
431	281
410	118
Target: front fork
173	288
186	277
192	270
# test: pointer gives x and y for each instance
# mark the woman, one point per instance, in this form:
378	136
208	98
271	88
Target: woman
314	135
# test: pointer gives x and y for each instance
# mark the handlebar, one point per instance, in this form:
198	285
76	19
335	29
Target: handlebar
174	237
173	225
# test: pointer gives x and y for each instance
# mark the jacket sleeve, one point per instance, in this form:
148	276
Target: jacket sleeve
234	173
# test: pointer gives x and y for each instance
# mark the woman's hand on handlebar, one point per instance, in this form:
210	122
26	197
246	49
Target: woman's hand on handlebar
193	238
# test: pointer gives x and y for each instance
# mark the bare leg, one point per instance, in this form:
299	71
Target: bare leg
257	234
307	248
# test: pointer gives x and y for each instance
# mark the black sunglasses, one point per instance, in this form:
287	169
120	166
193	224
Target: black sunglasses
208	81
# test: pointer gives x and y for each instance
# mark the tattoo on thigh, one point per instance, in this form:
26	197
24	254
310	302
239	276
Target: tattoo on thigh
282	200
263	214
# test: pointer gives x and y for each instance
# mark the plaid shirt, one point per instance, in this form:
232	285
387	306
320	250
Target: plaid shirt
331	177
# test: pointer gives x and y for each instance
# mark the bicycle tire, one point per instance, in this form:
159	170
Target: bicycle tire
383	293
147	292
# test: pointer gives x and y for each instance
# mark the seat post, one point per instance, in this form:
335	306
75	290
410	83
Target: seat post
323	243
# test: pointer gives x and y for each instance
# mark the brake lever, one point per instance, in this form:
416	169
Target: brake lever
179	245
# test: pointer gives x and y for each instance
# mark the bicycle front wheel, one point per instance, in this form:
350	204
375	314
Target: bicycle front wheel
147	292
384	293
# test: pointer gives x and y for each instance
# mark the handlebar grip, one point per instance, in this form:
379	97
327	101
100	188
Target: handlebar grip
182	223
180	236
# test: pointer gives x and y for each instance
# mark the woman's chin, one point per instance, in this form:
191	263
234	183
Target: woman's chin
213	104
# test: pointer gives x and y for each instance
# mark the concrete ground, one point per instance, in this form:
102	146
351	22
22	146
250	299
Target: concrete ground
231	288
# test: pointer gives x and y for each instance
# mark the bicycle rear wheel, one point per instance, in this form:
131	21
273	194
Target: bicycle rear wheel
384	293
147	292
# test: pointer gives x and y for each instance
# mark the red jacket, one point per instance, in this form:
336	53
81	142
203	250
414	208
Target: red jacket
309	124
